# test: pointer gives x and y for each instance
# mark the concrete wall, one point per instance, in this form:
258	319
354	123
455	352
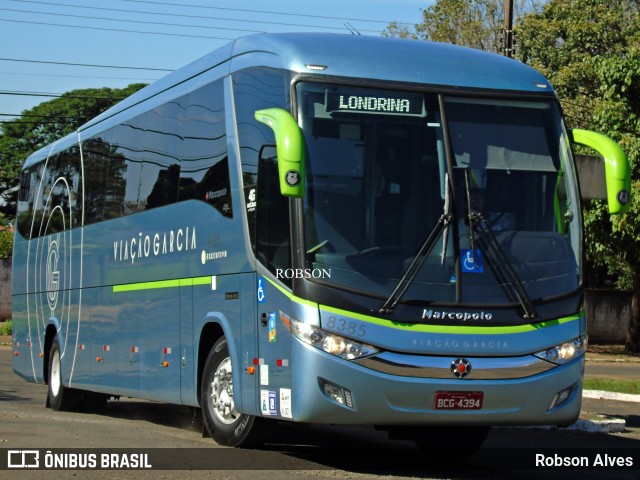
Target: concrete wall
5	288
608	316
608	312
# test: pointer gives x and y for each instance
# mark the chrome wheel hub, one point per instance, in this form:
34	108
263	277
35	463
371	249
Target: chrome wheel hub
221	398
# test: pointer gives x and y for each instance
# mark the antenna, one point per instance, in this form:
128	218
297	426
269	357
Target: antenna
352	29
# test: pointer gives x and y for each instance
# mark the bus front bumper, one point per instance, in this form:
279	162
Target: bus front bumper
328	389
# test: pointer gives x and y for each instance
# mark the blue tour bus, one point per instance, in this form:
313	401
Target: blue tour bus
315	228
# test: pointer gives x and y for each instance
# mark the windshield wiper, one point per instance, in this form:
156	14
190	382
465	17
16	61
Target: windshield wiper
498	259
425	249
504	268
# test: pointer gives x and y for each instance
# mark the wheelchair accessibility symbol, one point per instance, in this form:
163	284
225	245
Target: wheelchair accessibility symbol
261	293
471	261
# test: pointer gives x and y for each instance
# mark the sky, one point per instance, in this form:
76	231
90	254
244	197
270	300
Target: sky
146	39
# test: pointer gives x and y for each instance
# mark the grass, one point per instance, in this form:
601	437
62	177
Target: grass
5	327
612	385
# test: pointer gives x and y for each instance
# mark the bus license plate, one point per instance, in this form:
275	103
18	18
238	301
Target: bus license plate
458	400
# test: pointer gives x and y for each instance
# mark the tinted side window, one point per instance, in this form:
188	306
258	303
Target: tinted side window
71	199
96	154
204	173
29	186
273	244
125	168
161	162
44	203
256	89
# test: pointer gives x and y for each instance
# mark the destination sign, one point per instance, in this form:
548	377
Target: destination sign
390	103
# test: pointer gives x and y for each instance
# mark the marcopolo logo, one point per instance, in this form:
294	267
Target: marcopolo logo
464	316
290	273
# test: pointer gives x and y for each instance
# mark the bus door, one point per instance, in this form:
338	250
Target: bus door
273	250
273	369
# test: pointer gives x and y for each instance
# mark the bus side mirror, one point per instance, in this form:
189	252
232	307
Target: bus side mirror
616	168
290	149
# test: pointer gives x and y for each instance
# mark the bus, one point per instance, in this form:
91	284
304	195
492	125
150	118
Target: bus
312	228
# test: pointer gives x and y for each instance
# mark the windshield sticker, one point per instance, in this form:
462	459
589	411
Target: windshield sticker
285	403
272	327
471	263
261	295
264	374
268	402
251	200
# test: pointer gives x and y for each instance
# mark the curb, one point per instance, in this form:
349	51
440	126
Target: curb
604	395
607	425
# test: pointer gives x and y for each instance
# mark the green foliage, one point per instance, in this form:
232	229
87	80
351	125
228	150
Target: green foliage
5	327
44	124
590	51
470	23
474	24
613	385
6	241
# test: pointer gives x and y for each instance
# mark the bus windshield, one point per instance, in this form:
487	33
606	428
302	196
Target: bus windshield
484	208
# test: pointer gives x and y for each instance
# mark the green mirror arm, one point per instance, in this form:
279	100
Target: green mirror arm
290	148
616	166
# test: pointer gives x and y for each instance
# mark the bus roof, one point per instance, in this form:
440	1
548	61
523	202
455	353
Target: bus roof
351	56
391	59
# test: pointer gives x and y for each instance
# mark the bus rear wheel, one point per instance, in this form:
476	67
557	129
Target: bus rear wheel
59	397
222	420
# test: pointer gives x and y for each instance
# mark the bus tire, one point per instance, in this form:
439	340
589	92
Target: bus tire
59	397
224	423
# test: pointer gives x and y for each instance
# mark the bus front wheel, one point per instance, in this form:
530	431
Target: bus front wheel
221	418
59	397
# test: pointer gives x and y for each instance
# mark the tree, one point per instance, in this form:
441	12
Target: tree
470	23
44	124
590	51
6	241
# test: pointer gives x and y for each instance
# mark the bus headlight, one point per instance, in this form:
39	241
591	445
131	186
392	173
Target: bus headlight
329	342
566	352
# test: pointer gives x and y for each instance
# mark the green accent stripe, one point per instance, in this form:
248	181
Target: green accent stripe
178	282
453	329
291	296
422	328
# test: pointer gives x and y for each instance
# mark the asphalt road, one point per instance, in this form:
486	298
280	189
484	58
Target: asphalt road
629	370
171	437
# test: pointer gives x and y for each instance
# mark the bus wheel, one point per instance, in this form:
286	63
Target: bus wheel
222	420
60	397
449	443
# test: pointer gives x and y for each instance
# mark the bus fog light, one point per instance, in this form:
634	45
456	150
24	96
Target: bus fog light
560	397
336	393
